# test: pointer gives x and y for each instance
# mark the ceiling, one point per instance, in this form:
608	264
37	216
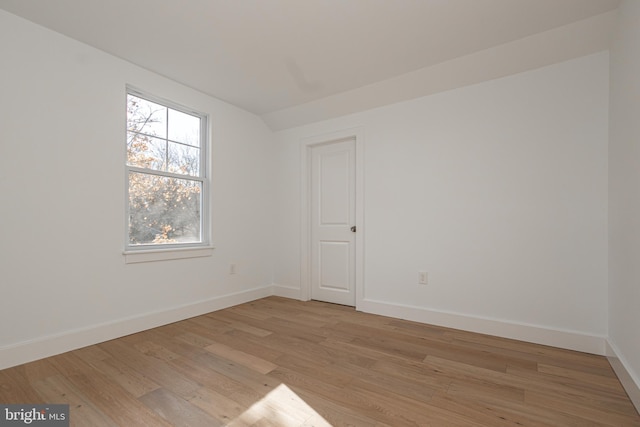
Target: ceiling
279	58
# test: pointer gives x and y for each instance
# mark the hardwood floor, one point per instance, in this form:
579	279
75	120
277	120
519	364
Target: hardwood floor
280	362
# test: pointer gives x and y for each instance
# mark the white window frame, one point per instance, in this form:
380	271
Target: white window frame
166	251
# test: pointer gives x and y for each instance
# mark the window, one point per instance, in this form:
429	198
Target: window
166	174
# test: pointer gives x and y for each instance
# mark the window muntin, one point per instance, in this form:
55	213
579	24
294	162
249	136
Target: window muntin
166	174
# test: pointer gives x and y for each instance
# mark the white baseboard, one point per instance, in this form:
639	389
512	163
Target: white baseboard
557	338
27	351
39	348
287	292
627	377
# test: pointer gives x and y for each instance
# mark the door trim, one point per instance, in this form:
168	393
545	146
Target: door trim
306	146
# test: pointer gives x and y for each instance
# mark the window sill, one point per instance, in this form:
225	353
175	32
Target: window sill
151	255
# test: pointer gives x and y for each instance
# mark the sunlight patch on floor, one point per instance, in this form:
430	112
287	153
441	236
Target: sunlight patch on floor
280	407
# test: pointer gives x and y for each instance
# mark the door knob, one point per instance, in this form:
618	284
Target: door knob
353	228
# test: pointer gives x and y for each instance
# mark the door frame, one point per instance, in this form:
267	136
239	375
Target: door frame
306	148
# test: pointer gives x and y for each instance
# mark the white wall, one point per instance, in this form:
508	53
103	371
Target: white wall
62	116
624	193
498	190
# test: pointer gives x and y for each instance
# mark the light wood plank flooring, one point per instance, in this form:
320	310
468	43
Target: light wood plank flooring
280	362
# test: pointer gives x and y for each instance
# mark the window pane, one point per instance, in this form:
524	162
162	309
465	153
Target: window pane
184	128
163	210
184	159
146	117
146	152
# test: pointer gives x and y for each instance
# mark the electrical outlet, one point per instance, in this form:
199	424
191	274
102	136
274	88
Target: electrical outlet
423	278
232	269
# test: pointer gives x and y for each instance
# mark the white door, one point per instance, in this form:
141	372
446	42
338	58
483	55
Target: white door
333	209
